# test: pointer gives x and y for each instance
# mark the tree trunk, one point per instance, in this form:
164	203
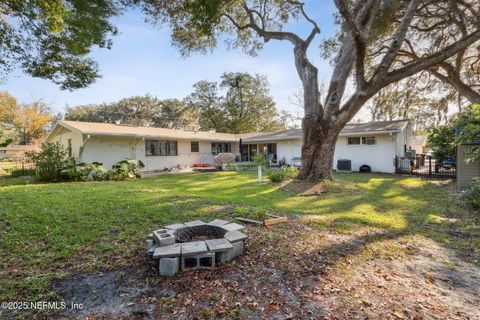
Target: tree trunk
317	151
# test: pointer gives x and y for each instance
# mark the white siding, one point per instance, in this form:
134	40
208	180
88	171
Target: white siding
112	150
108	150
62	137
289	149
379	156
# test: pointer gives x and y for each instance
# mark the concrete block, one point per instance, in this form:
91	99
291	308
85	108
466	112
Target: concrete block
152	250
218	222
175	226
168	266
163	238
193	248
236	251
232	226
170	251
235	236
150	244
216	245
200	261
195	223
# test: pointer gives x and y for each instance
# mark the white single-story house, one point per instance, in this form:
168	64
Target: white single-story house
374	144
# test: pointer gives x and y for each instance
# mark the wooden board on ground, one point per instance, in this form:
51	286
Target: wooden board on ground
267	222
273	221
249	220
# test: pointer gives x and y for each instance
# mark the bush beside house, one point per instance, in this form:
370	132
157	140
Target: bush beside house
53	165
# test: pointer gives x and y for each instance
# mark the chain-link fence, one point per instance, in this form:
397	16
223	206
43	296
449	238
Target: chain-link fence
16	167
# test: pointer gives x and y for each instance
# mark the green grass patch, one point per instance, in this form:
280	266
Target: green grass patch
50	230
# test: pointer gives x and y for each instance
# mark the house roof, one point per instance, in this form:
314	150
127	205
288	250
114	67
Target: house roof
18	147
377	127
107	129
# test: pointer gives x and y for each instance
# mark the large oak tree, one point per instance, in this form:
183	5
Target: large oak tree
198	24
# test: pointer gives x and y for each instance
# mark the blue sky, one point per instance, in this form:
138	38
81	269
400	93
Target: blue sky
142	61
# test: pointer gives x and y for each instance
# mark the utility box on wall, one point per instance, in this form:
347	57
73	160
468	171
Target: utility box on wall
344	165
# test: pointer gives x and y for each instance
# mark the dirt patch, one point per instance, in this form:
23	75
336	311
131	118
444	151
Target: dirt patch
293	271
113	294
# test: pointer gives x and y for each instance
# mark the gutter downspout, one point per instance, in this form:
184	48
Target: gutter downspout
80	154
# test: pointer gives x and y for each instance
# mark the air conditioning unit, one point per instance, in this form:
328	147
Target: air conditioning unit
344	165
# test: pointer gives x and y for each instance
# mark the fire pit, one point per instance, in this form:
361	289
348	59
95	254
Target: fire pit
195	245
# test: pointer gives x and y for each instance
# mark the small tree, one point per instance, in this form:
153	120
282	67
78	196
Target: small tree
442	140
468	126
50	161
465	129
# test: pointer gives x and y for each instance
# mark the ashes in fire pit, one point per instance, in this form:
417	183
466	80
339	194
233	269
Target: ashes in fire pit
195	245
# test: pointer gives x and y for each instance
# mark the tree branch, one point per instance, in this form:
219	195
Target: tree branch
351	23
433	59
267	35
398	39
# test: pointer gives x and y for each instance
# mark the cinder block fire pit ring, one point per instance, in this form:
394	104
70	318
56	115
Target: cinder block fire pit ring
195	245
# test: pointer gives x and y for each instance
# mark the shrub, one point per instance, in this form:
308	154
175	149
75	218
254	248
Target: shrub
472	195
251	212
50	161
93	171
125	170
260	159
278	175
275	175
241	166
291	172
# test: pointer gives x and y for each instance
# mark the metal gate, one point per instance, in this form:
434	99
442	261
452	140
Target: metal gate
426	166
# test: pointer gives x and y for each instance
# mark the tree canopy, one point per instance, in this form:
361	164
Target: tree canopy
465	128
22	123
239	103
140	111
245	106
51	39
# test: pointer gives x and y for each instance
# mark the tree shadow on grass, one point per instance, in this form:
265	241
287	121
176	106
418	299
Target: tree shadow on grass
394	207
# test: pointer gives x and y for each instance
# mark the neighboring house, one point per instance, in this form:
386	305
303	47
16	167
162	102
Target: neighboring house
419	144
14	150
466	170
375	144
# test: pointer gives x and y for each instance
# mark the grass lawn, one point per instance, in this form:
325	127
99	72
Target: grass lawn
51	231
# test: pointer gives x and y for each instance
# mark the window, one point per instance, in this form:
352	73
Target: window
361	140
160	148
69	148
218	147
369	140
353	140
151	148
194	146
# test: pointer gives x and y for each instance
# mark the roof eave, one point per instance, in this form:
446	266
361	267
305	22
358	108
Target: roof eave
356	133
144	136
